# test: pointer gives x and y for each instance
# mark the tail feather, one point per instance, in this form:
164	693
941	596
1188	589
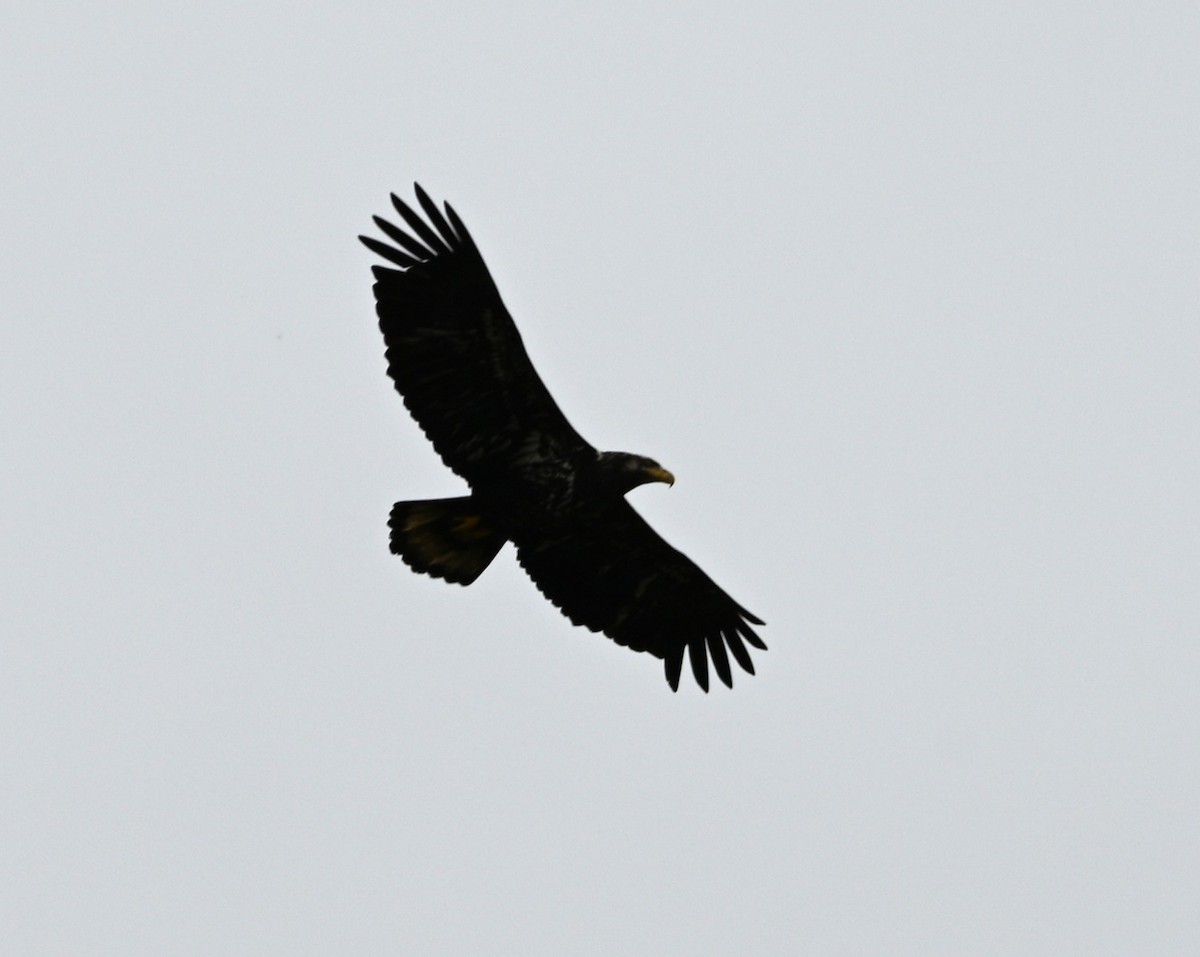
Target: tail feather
445	538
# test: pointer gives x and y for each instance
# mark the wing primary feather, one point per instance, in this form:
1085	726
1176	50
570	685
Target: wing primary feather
739	651
460	228
419	226
754	619
398	235
387	252
750	636
720	660
699	662
434	214
673	664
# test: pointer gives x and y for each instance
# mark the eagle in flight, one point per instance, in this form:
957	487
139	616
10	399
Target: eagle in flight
457	360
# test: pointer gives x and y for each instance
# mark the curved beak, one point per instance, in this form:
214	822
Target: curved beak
658	474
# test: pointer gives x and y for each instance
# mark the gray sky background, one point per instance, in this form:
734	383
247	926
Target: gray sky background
905	295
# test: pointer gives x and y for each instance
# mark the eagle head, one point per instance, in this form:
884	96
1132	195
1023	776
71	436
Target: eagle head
627	471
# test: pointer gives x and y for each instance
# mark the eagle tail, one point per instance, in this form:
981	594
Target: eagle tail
446	538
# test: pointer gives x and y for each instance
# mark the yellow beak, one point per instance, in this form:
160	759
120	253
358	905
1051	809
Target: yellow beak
661	475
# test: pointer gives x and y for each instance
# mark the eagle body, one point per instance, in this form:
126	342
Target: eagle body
458	362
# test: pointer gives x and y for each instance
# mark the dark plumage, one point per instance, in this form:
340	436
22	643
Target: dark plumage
457	360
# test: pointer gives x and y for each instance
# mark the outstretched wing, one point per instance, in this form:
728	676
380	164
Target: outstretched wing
454	352
616	575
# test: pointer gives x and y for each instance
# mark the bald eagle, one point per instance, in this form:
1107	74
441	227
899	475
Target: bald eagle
457	360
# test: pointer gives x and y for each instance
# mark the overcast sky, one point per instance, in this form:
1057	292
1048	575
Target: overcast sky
905	295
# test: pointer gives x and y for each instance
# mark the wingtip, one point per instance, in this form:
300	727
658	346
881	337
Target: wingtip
751	636
423	197
720	660
400	205
698	654
673	666
460	231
